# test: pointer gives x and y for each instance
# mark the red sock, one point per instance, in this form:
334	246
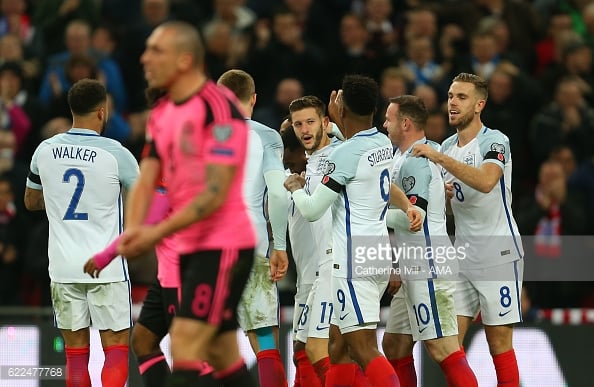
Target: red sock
506	367
77	367
270	369
297	382
307	373
405	369
115	367
322	366
457	371
340	375
380	373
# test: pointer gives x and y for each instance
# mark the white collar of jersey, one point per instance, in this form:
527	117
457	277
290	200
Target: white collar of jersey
82	131
419	141
366	132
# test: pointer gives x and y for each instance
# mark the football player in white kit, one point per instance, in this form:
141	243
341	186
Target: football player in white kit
424	309
258	309
477	167
77	178
356	184
310	123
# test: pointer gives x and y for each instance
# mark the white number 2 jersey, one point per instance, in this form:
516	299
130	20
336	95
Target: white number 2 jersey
485	225
81	175
359	170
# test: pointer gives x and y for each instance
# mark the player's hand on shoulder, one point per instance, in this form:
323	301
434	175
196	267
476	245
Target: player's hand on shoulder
279	264
424	150
294	182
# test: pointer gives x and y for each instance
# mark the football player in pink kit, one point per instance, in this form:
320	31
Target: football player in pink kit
197	140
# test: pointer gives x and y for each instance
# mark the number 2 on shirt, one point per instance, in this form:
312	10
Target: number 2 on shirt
71	213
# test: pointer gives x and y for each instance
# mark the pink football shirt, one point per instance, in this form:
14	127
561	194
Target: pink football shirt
205	129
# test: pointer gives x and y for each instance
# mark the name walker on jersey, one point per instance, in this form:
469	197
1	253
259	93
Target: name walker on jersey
74	153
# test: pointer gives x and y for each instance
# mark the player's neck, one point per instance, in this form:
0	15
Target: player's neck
407	143
187	85
85	124
323	143
355	125
467	134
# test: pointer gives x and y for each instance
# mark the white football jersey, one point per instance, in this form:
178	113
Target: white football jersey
303	247
81	175
359	170
485	226
421	181
321	228
265	153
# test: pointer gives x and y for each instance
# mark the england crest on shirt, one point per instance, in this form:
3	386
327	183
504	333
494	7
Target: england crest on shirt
469	159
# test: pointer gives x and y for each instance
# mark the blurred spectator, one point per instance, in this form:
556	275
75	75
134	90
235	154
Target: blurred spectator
576	61
78	43
428	95
552	213
421	65
436	128
588	17
13	119
53	16
13	239
13	93
104	41
117	127
354	55
224	50
384	35
315	19
16	21
232	12
273	114
293	57
78	67
514	98
483	57
394	81
568	119
421	23
11	50
500	31
564	156
548	50
153	13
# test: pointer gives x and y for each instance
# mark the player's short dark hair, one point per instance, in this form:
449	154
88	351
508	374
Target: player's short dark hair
413	108
360	94
85	96
481	86
188	39
290	140
308	101
240	83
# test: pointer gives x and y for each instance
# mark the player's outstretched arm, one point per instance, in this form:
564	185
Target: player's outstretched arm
34	199
312	207
483	178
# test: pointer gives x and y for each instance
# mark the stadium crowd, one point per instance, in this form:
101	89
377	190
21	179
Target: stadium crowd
536	56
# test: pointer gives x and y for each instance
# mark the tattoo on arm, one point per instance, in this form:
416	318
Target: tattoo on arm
35	199
210	198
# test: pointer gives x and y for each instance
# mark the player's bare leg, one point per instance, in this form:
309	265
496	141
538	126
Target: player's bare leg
306	373
317	352
151	360
398	349
499	338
